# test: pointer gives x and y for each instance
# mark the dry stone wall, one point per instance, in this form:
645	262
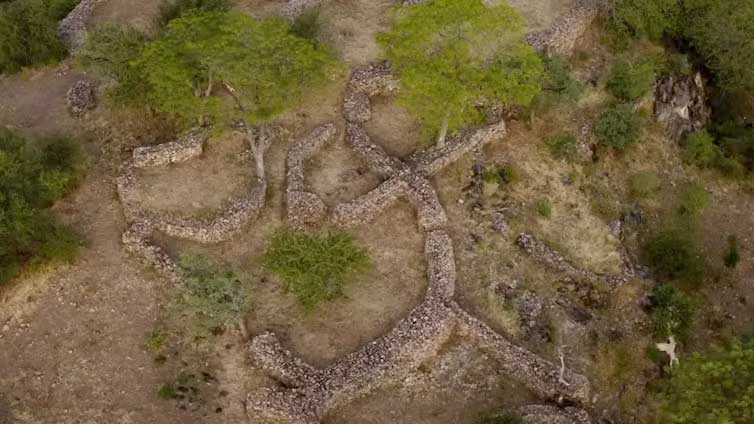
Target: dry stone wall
72	28
308	394
186	148
562	35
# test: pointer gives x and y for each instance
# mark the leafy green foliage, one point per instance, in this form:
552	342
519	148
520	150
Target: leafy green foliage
559	85
673	254
505	174
732	257
315	267
647	18
209	297
618	127
630	80
167	391
173	9
109	51
503	418
191	65
453	55
672	312
563	146
713	387
644	184
31	179
693	200
29	33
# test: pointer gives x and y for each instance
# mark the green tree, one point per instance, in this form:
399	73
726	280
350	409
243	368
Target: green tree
715	387
29	33
454	55
631	80
230	66
31	179
672	312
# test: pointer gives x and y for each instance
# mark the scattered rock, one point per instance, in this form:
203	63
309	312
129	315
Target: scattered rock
80	98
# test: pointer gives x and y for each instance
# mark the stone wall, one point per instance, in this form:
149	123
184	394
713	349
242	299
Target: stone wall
186	148
563	34
72	28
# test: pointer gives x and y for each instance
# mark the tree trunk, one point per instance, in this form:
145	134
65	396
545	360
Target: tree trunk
443	131
258	137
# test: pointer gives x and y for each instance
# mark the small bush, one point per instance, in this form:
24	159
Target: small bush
563	146
308	25
672	312
167	392
700	150
673	254
618	127
209	297
506	174
316	268
644	184
544	208
559	79
172	9
732	257
712	387
29	33
504	418
630	81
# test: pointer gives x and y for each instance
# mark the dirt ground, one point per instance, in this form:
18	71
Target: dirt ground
72	337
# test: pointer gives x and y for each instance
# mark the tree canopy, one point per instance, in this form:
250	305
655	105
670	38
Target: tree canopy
227	65
453	56
31	179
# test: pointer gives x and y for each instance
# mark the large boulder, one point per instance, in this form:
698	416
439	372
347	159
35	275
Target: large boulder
681	104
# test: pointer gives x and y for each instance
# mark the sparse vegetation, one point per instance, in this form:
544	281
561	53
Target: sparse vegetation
452	55
315	267
544	208
618	127
308	25
644	185
502	418
173	9
29	33
712	387
209	298
673	312
563	146
32	178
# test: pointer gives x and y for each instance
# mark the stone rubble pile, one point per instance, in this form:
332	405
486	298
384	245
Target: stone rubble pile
80	98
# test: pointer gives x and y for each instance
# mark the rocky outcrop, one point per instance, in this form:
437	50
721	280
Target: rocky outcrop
80	98
681	104
72	29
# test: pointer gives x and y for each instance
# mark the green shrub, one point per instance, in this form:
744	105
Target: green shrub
209	297
172	9
732	256
504	418
544	208
505	174
31	179
29	33
700	149
308	25
167	391
110	52
712	387
646	18
672	312
315	267
644	184
673	254
563	146
630	81
618	127
559	85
